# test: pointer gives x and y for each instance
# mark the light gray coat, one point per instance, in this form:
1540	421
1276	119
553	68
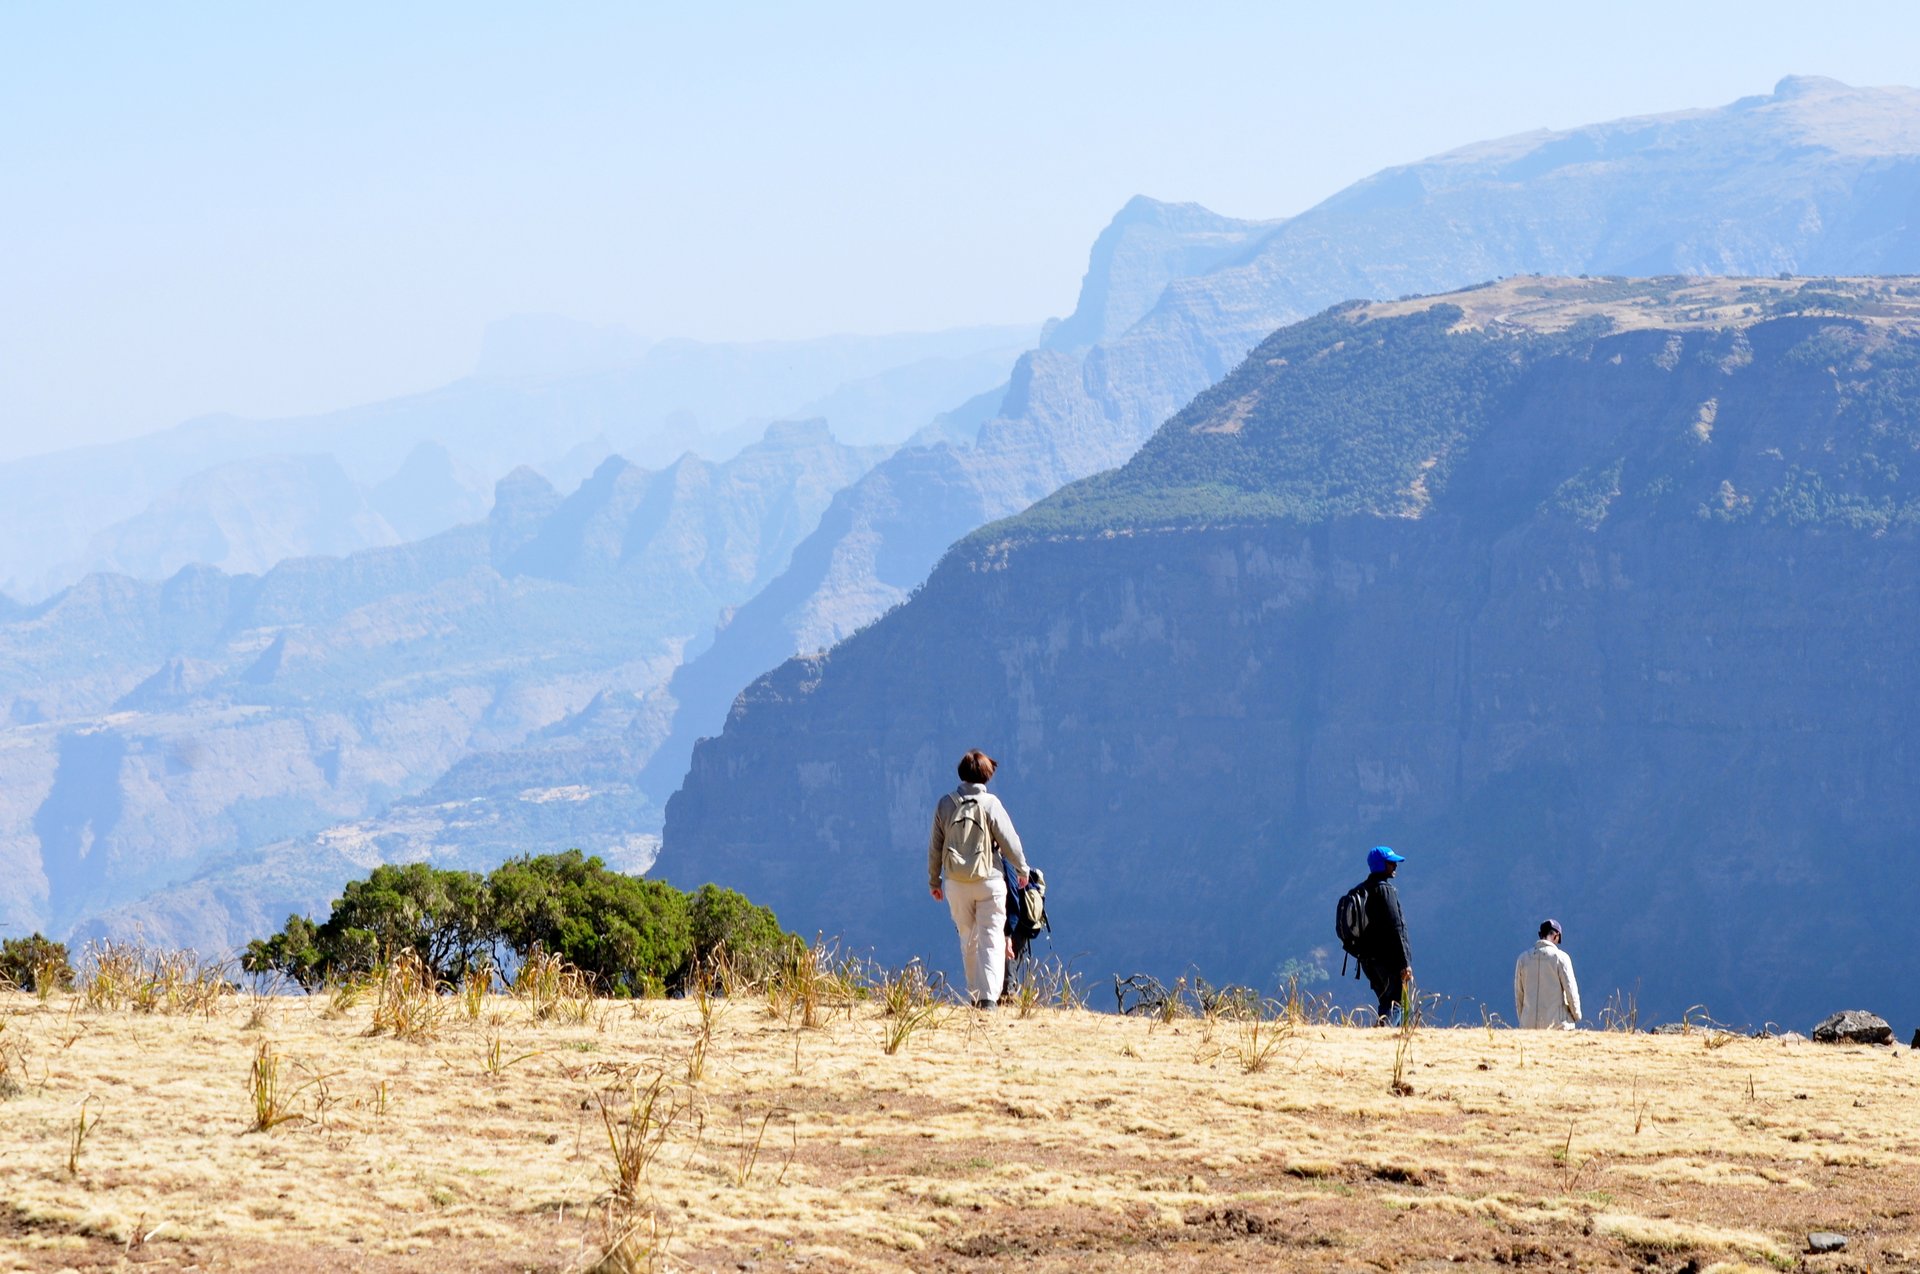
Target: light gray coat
1545	995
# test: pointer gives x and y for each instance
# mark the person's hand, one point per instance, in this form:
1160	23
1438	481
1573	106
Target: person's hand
1406	975
1020	879
937	895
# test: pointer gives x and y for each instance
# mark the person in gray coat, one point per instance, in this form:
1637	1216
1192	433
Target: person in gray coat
971	836
1545	995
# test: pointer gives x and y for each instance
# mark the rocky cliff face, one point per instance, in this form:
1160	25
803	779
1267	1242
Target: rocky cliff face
222	747
1815	177
1595	599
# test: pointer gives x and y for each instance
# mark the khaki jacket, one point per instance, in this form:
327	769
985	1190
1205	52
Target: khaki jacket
1545	996
1006	841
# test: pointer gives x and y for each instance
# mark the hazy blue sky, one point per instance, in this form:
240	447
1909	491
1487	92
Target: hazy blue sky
276	208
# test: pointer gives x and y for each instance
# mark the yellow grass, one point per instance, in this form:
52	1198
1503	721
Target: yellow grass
1061	1141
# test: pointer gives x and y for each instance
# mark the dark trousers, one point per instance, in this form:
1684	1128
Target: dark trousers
1384	977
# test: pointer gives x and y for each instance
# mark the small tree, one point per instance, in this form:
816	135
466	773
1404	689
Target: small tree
724	924
35	964
444	917
629	933
294	951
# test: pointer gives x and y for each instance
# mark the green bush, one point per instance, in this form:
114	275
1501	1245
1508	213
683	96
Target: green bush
727	928
444	917
295	951
631	935
35	964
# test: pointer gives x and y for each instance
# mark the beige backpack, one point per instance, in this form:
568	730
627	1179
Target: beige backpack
969	845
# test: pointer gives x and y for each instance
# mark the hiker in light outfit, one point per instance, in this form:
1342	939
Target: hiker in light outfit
971	835
1545	995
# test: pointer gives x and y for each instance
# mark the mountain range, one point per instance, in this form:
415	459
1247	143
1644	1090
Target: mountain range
158	730
1594	597
1817	177
527	696
243	495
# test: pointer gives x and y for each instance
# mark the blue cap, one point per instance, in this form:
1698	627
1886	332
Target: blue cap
1379	856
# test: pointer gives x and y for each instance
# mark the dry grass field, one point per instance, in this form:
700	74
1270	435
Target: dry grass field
281	1133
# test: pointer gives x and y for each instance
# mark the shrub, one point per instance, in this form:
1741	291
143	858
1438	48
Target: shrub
725	929
625	932
294	951
35	964
444	917
625	935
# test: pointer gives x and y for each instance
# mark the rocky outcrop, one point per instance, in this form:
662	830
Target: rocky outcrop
1853	1026
1148	245
1474	587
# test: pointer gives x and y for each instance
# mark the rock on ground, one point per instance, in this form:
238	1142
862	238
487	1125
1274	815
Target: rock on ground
1854	1026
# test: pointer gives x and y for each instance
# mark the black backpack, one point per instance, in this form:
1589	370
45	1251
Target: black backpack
1027	914
1350	923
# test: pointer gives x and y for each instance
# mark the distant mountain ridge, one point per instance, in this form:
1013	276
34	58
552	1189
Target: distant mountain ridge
247	516
1817	177
154	730
140	504
1593	596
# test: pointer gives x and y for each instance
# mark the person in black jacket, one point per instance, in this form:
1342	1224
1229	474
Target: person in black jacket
1387	960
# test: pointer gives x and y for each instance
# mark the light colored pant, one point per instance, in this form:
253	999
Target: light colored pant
980	915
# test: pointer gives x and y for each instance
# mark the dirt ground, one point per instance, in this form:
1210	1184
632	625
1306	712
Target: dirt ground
1060	1141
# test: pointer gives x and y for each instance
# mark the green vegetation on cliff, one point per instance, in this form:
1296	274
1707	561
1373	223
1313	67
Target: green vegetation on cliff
1373	410
1324	419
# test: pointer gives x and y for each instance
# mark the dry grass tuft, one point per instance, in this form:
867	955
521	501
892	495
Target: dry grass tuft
475	985
1659	1234
270	1097
553	990
638	1133
77	1139
634	1245
709	1007
1259	1038
13	1063
813	980
907	1006
136	978
408	1006
494	1061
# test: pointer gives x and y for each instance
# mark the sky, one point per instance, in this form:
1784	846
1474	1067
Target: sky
277	209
